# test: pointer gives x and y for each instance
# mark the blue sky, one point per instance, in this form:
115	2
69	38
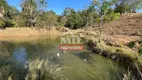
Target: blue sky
57	5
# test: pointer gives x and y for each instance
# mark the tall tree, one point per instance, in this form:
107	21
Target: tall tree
5	8
103	7
48	19
32	9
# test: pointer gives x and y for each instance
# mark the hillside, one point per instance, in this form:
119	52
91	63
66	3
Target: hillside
126	25
127	28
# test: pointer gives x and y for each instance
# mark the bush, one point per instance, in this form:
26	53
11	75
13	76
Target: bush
10	23
131	44
2	24
140	50
74	21
111	16
140	42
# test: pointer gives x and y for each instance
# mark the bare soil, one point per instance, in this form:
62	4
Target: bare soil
126	25
127	28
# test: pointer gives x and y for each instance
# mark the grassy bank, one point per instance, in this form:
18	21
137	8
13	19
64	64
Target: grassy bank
115	50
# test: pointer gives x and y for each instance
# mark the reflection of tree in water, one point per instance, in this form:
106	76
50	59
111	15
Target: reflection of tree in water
19	55
5	49
7	68
34	49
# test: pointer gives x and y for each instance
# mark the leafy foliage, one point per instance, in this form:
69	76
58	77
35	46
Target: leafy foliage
131	44
122	8
140	42
140	50
2	24
79	19
129	6
4	6
10	23
31	10
8	11
74	20
111	16
34	13
48	19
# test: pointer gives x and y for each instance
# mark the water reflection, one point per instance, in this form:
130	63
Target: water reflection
86	56
40	58
20	55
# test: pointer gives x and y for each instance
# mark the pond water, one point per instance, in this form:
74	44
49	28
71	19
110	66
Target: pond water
16	56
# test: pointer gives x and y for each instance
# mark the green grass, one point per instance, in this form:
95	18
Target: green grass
44	70
102	44
38	69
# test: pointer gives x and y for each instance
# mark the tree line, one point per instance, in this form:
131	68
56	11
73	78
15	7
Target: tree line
34	14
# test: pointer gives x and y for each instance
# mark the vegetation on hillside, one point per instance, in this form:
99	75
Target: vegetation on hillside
34	14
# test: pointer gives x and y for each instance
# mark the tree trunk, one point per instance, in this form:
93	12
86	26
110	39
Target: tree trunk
102	17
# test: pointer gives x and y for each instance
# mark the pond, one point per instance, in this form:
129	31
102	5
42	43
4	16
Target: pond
41	59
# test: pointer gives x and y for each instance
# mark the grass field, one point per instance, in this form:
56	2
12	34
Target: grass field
25	32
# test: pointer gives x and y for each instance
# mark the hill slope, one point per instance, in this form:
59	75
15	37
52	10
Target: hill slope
126	25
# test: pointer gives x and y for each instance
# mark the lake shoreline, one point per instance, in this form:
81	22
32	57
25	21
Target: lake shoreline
118	55
99	46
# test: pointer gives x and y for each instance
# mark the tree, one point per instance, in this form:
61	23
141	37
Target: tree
91	15
2	24
73	18
62	20
4	7
134	5
9	12
13	12
122	8
31	10
80	18
129	6
48	19
103	7
68	11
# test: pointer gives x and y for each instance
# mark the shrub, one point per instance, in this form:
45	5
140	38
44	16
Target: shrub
140	50
111	16
140	42
131	44
135	33
10	23
41	69
2	24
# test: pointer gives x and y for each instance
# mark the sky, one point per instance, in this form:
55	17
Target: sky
57	6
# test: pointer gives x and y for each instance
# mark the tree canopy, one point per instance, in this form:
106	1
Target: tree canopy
34	13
